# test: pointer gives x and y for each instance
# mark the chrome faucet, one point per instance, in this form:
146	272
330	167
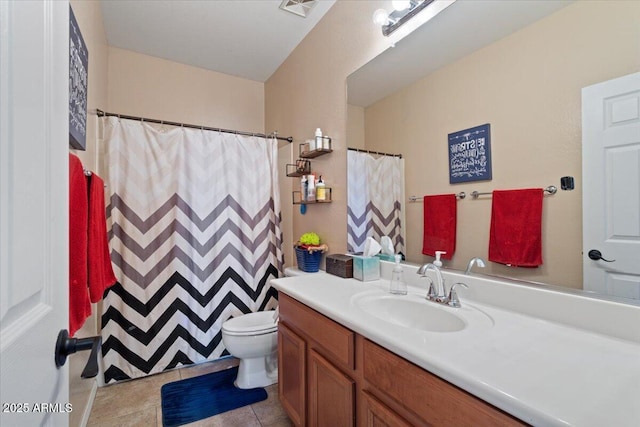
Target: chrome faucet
437	291
473	261
440	292
452	299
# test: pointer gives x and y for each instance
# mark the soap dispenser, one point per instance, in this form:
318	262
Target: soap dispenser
398	286
437	261
321	190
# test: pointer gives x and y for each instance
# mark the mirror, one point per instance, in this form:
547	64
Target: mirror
519	66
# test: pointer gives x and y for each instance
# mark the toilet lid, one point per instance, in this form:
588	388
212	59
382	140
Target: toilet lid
258	322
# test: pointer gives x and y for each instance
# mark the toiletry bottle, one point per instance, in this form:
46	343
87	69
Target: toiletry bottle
398	286
303	189
311	188
326	142
321	191
437	261
318	139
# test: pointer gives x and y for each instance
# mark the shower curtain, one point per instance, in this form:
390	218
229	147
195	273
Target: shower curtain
194	228
375	190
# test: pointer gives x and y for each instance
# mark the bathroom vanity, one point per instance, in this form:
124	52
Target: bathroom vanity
330	365
352	354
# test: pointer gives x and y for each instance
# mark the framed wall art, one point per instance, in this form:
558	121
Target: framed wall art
470	155
78	85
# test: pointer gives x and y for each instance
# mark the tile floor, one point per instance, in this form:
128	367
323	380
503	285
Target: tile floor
137	403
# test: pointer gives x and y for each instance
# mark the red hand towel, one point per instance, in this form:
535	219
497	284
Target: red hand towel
516	227
79	305
440	220
101	274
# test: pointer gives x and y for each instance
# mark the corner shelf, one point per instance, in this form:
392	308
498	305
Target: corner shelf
303	167
297	198
324	148
315	153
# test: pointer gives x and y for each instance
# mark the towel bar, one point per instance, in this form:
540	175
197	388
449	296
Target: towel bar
552	189
415	199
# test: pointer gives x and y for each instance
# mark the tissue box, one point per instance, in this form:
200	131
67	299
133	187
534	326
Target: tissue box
366	268
387	257
340	265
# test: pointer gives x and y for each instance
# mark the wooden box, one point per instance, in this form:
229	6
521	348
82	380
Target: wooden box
339	265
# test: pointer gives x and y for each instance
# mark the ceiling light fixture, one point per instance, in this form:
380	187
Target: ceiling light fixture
381	17
404	11
401	4
298	7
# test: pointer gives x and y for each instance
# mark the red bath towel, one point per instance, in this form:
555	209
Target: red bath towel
516	227
79	305
440	221
101	274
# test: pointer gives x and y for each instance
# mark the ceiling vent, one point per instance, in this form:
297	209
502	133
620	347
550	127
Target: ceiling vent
299	7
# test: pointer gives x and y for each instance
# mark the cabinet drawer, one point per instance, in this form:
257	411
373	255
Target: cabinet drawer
331	339
426	395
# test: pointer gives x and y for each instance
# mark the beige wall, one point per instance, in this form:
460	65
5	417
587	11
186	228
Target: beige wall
355	126
146	86
528	87
309	91
89	17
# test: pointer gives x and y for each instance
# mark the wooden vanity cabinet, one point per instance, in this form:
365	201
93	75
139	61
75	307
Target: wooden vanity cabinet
411	391
330	376
331	394
377	414
292	365
316	363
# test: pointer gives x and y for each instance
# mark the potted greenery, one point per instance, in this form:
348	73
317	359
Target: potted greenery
309	251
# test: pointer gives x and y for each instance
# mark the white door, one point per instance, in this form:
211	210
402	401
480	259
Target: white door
34	110
611	186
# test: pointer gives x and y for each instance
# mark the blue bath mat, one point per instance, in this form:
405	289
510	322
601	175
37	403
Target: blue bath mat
201	397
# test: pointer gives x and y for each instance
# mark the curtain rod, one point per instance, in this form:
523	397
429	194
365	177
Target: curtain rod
374	152
185	125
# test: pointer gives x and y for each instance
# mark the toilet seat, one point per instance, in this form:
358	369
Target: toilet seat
258	323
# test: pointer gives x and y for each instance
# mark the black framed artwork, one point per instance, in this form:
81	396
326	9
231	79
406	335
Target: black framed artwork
470	154
78	85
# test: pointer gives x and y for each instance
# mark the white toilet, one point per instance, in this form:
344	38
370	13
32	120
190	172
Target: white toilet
253	338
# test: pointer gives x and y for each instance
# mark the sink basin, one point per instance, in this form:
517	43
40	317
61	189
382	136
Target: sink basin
412	311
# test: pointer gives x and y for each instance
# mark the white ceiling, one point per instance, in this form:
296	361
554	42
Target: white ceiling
251	38
462	28
244	38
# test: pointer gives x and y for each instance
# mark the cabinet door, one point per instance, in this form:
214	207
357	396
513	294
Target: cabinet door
376	414
291	374
331	394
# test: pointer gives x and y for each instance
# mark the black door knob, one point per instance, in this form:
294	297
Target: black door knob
596	255
66	346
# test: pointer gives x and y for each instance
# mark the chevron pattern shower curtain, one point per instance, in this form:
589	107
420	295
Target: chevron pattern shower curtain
195	237
375	190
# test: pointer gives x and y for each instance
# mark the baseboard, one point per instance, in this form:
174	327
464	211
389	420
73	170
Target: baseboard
87	409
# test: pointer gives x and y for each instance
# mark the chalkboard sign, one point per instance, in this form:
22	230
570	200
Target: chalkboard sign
78	84
470	155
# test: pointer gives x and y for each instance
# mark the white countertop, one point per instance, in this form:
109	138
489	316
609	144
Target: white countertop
541	371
